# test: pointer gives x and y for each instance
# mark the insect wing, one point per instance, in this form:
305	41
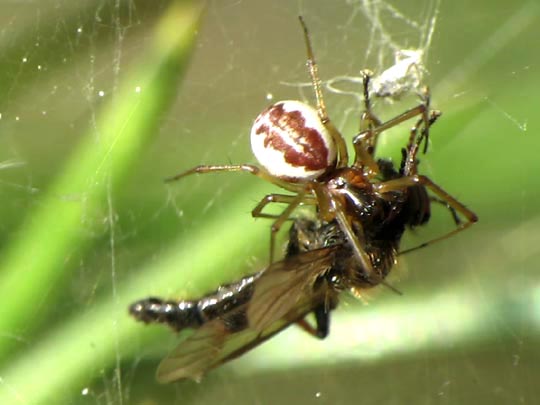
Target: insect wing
285	284
213	345
193	356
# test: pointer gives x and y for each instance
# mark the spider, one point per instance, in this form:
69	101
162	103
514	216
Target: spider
362	211
300	150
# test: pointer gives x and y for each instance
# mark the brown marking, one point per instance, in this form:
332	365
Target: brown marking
354	177
313	154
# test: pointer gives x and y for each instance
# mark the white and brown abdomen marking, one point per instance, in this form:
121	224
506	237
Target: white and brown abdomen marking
290	141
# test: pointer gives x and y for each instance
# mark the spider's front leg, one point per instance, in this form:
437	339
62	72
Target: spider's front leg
293	202
368	119
252	169
366	137
371	127
341	147
365	142
203	169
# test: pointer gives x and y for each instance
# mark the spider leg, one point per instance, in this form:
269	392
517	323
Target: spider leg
203	169
293	201
368	119
405	182
409	164
330	207
365	147
367	135
364	155
366	141
427	117
280	199
343	157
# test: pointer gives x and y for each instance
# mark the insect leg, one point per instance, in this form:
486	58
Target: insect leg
322	322
322	318
452	210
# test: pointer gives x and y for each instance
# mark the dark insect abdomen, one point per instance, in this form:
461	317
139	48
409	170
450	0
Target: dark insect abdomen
415	207
194	313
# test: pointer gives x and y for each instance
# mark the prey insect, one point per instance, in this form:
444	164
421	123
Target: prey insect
235	318
361	212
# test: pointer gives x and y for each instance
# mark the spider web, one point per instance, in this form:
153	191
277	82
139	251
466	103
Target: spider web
466	325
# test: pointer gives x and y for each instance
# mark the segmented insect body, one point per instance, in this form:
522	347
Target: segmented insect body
184	314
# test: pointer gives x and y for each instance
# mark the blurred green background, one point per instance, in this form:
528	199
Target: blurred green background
101	100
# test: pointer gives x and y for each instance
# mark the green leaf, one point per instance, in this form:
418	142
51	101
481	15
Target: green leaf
32	264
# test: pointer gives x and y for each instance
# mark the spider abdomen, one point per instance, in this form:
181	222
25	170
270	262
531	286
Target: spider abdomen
290	142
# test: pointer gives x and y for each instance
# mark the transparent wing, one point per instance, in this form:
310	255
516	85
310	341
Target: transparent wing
285	285
212	345
193	356
283	291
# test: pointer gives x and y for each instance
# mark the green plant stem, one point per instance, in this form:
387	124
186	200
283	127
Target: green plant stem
91	341
33	263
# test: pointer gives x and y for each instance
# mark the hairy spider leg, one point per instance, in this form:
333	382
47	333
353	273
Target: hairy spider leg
364	154
409	164
255	170
403	183
368	119
330	208
370	127
409	167
343	156
278	198
294	202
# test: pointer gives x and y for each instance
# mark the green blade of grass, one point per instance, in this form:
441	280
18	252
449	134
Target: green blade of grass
32	263
92	341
